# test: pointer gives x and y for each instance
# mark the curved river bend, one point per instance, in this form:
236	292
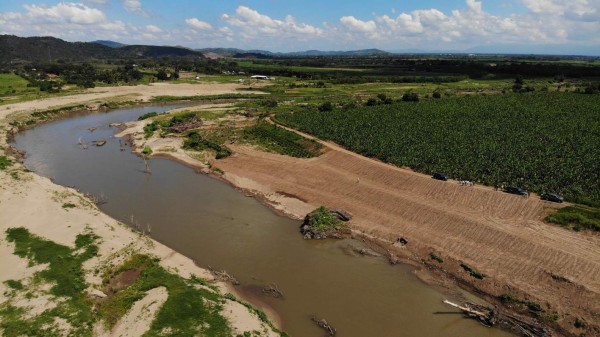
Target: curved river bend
212	223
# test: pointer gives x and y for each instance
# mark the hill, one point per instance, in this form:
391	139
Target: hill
47	49
32	49
109	43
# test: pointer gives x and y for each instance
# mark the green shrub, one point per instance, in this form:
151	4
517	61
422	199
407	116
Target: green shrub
474	273
410	97
147	115
14	284
326	106
576	217
195	142
281	141
150	128
436	258
4	162
321	220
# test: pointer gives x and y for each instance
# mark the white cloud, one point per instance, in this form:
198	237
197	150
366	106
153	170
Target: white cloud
250	23
134	7
586	10
356	25
73	21
198	24
97	2
153	29
548	22
65	13
474	5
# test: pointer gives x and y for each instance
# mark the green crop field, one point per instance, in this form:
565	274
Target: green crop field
545	142
12	85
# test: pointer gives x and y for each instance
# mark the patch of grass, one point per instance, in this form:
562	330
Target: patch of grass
68	205
436	258
14	284
4	163
188	311
147	150
533	307
474	273
147	115
65	273
282	141
576	217
220	134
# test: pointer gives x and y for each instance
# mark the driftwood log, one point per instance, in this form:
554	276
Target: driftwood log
273	291
491	317
223	276
322	323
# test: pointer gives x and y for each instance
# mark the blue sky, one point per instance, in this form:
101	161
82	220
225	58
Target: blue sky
571	27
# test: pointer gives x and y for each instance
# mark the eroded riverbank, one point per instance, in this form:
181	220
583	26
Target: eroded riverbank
488	242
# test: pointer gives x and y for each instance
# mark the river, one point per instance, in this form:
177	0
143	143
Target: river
215	225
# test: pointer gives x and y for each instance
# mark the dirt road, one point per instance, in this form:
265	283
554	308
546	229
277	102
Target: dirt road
139	92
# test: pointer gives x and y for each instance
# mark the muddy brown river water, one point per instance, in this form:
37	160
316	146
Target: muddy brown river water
212	223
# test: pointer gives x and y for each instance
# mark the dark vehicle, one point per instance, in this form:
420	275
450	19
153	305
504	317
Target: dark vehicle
516	190
440	176
552	197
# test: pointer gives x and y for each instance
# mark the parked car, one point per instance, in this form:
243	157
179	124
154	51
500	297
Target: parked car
552	197
516	190
440	176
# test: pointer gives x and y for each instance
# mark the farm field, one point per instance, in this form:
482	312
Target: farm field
544	142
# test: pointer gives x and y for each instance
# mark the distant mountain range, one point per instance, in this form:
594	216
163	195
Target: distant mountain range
16	49
44	49
240	53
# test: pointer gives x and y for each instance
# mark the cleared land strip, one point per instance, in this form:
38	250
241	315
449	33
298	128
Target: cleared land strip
498	234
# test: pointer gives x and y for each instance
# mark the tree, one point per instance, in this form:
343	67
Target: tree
371	102
327	106
518	84
410	97
384	99
162	75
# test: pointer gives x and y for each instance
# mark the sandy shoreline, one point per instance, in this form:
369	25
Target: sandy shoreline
37	204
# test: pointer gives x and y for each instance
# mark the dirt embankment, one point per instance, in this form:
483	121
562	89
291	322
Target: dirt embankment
500	235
